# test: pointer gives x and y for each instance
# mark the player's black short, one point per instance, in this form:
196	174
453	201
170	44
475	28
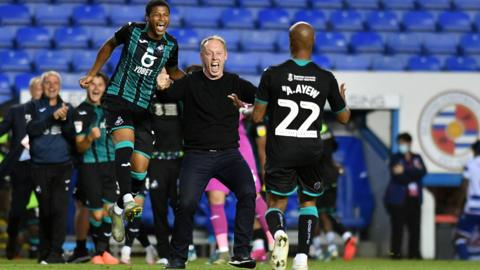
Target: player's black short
98	184
283	181
119	114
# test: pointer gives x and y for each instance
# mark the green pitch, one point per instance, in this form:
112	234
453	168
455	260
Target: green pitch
360	264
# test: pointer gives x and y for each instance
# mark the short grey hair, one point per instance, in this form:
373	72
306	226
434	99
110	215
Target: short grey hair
213	37
51	73
34	80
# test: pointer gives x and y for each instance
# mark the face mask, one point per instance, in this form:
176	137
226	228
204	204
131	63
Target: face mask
403	148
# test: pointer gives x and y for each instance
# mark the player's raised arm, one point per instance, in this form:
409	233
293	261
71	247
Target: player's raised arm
102	56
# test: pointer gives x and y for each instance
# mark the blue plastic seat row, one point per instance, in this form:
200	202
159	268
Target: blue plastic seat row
268	18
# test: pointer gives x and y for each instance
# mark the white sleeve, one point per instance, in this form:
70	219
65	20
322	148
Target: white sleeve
466	173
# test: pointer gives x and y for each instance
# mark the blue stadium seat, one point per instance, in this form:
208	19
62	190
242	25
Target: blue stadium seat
461	63
82	61
187	58
89	15
254	3
237	18
14	14
423	63
434	4
244	63
53	14
258	40
101	35
231	37
330	4
363	4
115	1
323	61
470	43
122	14
22	81
466	4
14	61
477	22
70	81
33	37
71	37
225	3
186	38
283	42
291	3
113	60
7	36
382	21
202	17
404	43
272	59
177	2
419	21
53	60
315	17
367	42
353	62
274	18
454	21
389	62
398	4
331	42
5	88
440	43
346	20
254	79
176	17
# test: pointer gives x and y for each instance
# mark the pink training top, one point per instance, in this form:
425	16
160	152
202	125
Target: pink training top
246	150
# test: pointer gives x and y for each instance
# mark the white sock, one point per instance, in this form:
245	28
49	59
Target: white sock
223	249
127	198
301	257
258	244
330	237
346	236
117	210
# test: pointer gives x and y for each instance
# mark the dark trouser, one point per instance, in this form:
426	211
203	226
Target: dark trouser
198	168
22	187
51	187
163	176
407	215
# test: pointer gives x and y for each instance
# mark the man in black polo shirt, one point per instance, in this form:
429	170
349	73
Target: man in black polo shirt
293	94
211	143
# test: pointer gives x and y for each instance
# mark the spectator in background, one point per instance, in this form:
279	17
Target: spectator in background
17	164
470	219
403	197
51	134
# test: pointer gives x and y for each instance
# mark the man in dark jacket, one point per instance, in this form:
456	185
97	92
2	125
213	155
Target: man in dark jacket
51	136
17	165
403	197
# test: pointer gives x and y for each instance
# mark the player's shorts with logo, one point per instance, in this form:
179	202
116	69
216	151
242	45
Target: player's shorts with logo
285	181
120	114
97	184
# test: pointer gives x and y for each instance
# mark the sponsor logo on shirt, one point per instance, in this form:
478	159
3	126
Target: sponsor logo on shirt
119	121
42	109
301	78
82	113
78	126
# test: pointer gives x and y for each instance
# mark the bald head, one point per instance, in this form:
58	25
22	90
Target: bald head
302	38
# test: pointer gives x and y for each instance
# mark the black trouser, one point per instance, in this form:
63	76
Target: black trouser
407	215
51	187
163	176
22	187
198	168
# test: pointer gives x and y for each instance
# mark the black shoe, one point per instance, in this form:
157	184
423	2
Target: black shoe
79	256
175	264
54	258
243	262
